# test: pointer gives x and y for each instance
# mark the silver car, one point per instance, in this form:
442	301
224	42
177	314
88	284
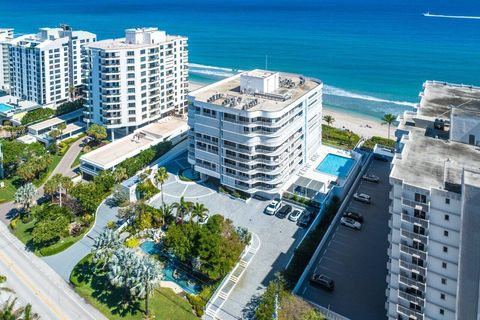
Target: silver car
295	215
371	178
348	222
362	197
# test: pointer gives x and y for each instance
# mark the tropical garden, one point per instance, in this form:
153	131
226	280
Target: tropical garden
10	308
196	248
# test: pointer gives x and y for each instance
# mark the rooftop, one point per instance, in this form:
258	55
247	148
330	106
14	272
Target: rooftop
114	153
229	93
428	162
439	98
429	159
17	103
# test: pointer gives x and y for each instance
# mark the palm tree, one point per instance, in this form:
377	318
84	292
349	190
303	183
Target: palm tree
104	246
25	195
198	210
8	311
349	135
57	184
389	119
120	174
149	276
161	176
329	119
62	126
72	90
183	208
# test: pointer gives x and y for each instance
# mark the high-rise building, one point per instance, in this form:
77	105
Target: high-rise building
137	79
6	34
434	251
44	65
253	131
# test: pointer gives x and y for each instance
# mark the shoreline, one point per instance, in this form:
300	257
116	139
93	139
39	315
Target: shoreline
364	126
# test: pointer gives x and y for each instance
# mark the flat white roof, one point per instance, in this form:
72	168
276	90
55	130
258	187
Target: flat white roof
116	152
17	102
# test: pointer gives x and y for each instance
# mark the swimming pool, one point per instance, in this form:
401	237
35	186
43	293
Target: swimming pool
5	107
336	165
184	280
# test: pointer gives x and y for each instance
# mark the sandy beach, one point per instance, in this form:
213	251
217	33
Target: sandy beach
363	126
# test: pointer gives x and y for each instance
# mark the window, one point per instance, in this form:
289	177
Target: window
130	60
447	217
445	249
445	233
442	312
420	198
447	201
444	265
442	296
444	281
130	53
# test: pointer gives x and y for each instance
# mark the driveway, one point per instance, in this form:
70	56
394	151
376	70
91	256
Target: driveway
357	260
8	210
278	237
64	262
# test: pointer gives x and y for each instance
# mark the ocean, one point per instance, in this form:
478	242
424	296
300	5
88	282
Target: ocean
372	55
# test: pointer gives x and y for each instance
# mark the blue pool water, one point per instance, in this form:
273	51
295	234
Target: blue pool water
5	107
336	165
150	247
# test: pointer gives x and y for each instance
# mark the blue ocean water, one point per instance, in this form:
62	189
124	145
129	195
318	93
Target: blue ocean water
373	55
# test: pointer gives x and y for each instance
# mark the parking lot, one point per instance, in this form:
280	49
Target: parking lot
356	259
278	237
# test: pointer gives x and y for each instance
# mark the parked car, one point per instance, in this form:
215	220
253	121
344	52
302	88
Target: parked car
295	215
284	211
348	222
322	281
354	216
371	177
273	206
362	197
305	219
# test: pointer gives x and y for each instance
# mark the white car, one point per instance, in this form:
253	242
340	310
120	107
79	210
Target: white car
295	215
362	197
273	206
348	222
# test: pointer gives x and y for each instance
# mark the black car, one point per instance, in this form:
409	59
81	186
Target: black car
305	220
322	281
354	216
284	211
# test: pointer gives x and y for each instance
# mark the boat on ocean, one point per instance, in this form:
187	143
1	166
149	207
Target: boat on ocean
427	14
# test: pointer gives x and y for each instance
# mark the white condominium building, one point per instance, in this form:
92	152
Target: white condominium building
137	79
434	251
254	130
44	65
6	35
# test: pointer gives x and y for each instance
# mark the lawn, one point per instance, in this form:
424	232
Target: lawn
164	304
339	138
76	162
23	232
7	193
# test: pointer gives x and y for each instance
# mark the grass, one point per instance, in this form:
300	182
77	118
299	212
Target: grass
23	231
370	143
339	138
93	285
7	193
76	162
44	177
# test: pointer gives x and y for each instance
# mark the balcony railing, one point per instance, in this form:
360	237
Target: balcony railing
409	282
415	220
412	236
413	298
414	204
413	267
409	313
412	251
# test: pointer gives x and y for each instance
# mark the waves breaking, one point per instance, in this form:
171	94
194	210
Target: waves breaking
221	72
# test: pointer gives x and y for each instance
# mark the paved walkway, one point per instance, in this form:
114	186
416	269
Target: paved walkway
64	262
36	283
8	210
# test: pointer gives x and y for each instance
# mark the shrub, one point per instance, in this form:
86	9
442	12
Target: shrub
37	115
13	223
144	158
3	279
370	143
197	304
111	225
132	242
87	219
68	107
146	190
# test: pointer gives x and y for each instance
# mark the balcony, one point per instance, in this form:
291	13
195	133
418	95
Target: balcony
415	220
413	267
407	312
409	282
412	298
412	236
412	251
414	204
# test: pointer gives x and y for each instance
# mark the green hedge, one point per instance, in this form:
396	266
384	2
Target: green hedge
304	253
339	138
370	143
144	158
146	189
37	115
